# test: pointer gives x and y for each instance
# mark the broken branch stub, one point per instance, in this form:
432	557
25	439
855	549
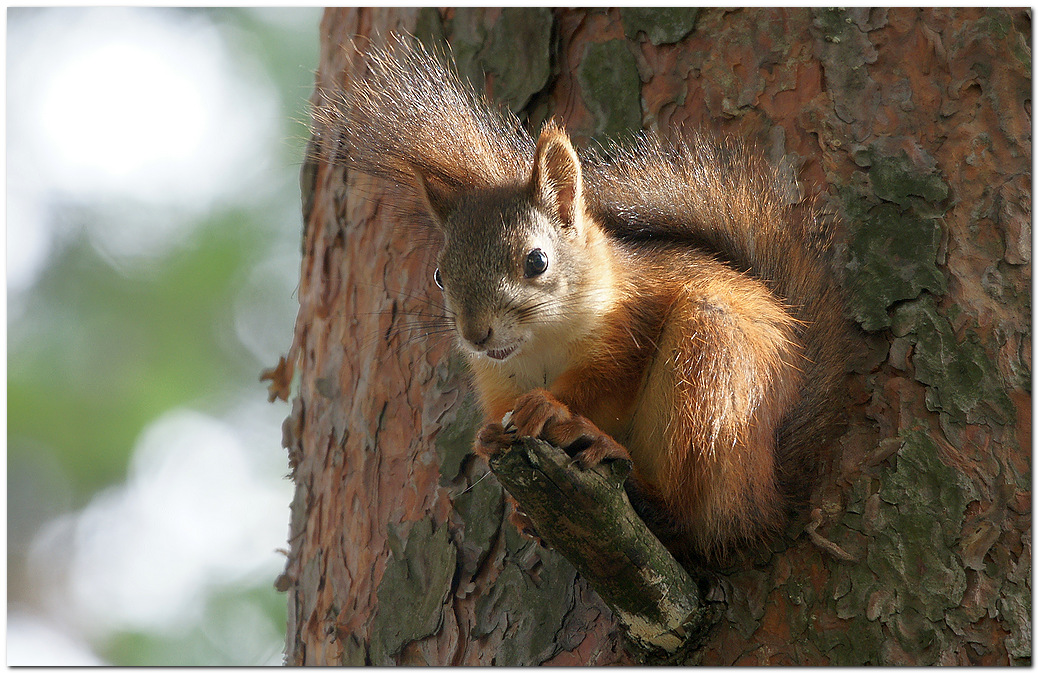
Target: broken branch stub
585	515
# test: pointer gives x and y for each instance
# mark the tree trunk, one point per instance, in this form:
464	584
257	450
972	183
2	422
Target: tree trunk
914	127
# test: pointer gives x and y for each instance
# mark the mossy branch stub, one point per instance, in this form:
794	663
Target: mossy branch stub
585	515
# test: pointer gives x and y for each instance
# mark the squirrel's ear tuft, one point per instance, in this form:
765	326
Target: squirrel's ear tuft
439	198
556	179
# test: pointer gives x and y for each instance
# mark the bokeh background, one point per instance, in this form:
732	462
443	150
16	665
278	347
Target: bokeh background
153	229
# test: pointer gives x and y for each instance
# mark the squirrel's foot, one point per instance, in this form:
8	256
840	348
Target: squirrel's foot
523	523
539	414
492	439
602	447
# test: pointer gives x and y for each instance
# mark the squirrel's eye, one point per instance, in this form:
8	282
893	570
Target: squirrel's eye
536	263
437	279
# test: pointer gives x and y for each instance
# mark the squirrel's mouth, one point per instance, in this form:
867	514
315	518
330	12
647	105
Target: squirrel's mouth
502	353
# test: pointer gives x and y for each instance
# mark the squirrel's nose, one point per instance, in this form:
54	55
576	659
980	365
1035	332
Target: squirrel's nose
477	336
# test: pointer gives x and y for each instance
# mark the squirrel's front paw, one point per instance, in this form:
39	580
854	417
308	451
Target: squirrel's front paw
602	447
492	439
539	414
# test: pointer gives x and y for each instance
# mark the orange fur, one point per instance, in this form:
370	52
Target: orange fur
712	351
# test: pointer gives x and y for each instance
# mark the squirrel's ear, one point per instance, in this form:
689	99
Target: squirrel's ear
439	198
556	180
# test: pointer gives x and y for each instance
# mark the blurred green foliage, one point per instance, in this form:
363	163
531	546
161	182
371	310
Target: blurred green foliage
95	352
210	642
98	352
106	353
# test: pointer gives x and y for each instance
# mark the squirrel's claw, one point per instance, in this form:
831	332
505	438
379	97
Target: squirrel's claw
602	448
539	414
524	523
492	439
536	412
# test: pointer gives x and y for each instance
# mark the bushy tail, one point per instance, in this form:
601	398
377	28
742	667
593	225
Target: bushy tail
411	114
728	201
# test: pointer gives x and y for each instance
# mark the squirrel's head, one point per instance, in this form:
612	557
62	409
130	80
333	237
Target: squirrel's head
522	265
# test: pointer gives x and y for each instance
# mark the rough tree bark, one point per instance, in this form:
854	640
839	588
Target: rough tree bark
914	126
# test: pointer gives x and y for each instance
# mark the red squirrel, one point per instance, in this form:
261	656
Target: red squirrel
657	301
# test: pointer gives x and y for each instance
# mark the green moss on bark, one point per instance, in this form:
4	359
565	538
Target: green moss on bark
518	54
611	87
911	577
962	380
896	206
413	590
662	25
